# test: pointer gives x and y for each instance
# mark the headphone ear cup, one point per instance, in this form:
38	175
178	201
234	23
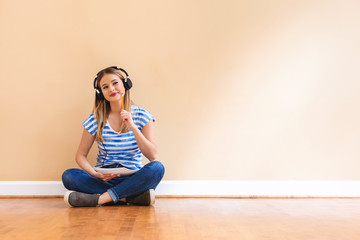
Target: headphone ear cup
127	83
99	93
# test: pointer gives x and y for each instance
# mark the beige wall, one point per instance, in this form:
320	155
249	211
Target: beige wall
241	90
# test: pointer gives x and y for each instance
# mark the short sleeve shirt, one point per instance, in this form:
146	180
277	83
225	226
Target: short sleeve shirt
119	147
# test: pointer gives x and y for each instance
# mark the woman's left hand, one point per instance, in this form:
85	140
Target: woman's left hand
127	118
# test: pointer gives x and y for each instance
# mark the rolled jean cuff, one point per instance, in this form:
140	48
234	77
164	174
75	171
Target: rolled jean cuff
113	195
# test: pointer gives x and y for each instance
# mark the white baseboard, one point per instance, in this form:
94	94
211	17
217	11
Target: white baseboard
207	188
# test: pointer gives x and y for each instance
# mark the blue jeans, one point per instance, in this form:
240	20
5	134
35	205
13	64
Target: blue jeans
148	177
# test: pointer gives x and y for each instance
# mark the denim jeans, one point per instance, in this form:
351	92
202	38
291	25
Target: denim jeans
148	177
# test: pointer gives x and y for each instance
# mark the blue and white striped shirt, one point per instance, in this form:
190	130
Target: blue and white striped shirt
119	147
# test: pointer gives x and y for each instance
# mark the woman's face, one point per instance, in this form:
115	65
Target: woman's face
112	87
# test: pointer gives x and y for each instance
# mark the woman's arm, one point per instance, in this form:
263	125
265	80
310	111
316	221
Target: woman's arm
87	140
144	138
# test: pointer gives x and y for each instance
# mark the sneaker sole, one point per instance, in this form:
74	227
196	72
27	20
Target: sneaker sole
152	196
66	198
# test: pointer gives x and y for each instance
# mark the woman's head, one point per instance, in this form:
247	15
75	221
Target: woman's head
109	86
127	84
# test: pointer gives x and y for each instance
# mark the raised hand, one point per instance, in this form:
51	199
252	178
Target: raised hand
127	119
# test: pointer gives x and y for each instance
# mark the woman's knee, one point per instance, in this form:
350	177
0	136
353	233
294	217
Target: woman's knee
157	166
68	177
157	169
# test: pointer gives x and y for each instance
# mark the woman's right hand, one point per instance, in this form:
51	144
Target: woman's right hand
105	177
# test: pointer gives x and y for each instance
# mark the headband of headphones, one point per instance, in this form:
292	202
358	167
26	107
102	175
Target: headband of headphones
126	82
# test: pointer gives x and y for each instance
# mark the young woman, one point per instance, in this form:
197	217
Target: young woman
124	133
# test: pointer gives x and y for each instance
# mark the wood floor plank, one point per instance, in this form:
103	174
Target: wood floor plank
182	219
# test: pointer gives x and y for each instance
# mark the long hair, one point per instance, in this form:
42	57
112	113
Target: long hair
102	106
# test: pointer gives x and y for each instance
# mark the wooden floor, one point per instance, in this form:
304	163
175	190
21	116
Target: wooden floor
183	218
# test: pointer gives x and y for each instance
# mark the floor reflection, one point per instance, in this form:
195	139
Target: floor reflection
98	222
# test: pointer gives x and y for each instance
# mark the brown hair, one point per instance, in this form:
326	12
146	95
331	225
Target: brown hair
102	106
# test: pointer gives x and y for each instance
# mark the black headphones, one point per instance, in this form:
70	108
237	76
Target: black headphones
127	82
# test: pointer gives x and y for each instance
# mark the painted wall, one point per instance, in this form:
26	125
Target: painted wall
241	90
